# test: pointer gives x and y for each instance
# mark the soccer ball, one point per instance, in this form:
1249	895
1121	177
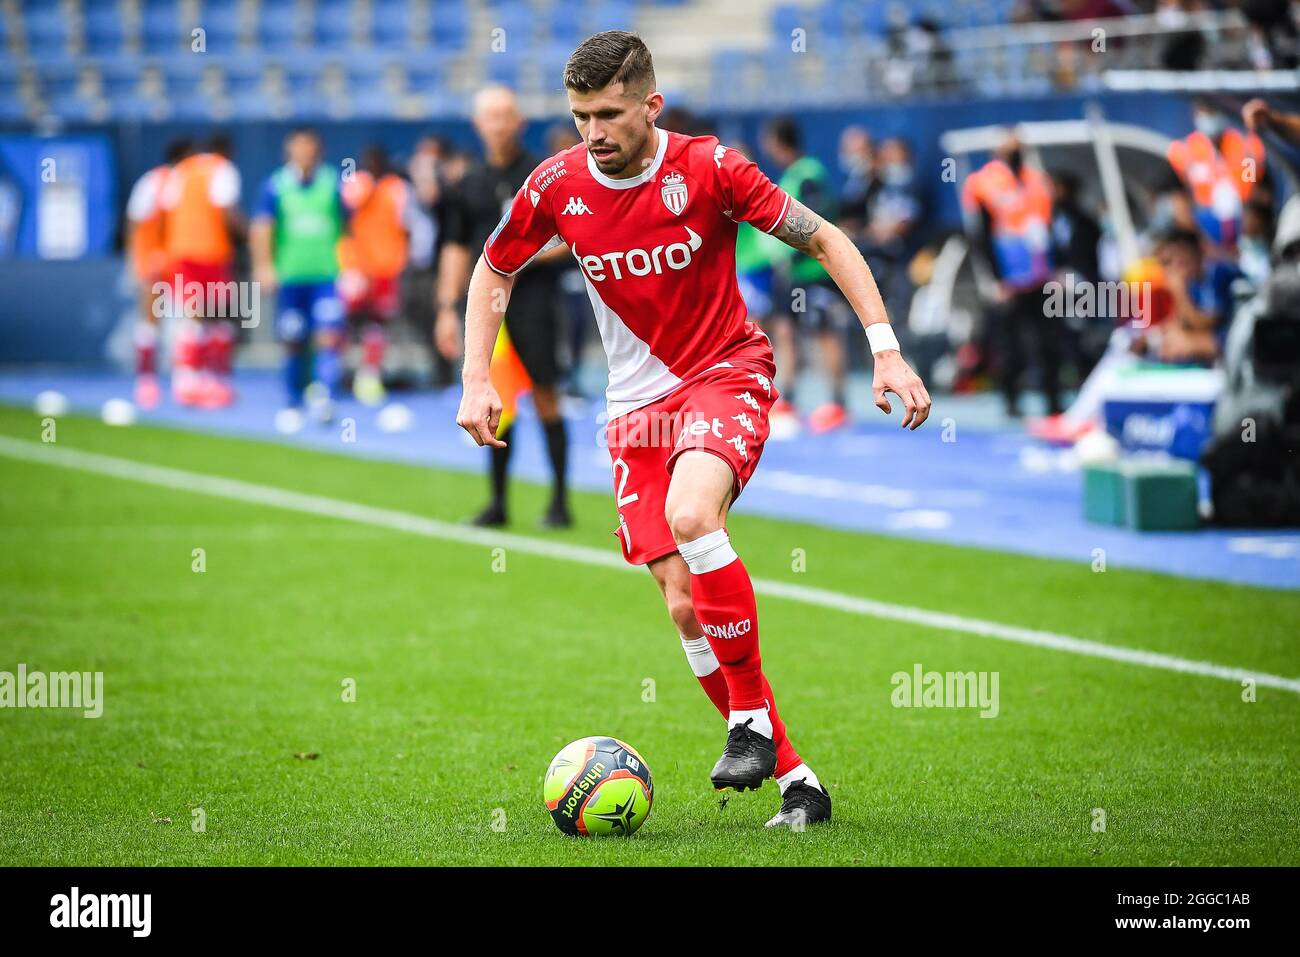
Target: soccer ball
598	786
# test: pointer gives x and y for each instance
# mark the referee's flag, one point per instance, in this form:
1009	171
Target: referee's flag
508	377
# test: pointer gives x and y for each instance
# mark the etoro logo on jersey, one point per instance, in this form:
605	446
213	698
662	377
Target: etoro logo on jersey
640	262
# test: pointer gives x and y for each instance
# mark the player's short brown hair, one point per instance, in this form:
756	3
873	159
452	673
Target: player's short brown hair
614	56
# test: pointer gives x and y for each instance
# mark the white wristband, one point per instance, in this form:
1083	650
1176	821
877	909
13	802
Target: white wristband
881	337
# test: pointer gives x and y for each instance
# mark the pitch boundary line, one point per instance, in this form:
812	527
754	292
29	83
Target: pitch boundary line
254	494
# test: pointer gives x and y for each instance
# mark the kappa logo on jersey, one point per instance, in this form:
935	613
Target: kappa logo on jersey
732	629
640	262
575	207
674	193
719	151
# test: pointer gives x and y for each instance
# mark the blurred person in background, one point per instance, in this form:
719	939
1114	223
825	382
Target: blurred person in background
1221	168
372	258
474	210
1201	290
894	217
1076	240
814	304
578	314
425	170
202	223
1009	206
299	220
147	248
857	159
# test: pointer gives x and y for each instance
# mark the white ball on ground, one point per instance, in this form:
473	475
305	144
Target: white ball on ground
289	421
395	417
1096	448
51	402
117	412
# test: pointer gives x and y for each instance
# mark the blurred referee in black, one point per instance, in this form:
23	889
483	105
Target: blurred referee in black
472	211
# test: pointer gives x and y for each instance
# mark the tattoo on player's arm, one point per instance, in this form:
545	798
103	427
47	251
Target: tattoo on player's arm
799	226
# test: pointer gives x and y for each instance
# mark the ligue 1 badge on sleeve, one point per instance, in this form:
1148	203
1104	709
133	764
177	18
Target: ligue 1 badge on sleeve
674	193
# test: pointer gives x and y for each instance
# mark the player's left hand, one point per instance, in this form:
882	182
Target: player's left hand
896	376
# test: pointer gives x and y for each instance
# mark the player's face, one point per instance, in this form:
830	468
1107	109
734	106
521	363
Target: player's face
497	121
303	151
615	126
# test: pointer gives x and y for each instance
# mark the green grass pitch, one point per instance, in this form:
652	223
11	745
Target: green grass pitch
469	678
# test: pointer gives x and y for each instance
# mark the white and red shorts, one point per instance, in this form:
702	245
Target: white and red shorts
723	410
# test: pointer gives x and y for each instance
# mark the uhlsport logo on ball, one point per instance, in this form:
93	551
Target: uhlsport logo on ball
598	786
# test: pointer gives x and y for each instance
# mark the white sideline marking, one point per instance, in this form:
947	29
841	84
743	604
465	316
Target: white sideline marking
247	492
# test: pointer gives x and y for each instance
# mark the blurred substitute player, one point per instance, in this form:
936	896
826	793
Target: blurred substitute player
472	209
372	257
294	242
651	217
811	297
147	246
201	223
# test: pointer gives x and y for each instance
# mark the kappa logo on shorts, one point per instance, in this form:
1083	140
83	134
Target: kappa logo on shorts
746	423
739	442
749	400
764	381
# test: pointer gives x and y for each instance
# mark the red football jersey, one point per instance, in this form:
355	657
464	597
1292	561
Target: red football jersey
658	253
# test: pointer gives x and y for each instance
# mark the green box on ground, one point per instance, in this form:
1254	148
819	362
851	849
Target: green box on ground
1103	494
1145	495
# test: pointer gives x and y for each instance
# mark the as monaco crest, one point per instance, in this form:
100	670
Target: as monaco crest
674	193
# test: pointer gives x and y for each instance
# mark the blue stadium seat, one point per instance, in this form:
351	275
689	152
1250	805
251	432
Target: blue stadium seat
12	108
220	20
786	19
105	33
390	25
244	85
614	15
160	27
46	29
450	25
277	27
564	22
332	27
424	75
503	68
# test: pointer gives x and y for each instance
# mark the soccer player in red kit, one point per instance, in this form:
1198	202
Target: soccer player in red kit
651	218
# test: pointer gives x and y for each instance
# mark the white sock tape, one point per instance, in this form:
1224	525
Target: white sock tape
881	337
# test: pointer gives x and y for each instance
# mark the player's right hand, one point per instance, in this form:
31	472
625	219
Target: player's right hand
447	334
480	413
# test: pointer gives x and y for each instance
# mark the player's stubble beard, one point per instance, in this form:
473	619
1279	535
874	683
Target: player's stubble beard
616	164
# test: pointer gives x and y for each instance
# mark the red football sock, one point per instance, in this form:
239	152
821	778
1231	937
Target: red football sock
707	672
219	348
373	346
787	758
723	597
146	348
